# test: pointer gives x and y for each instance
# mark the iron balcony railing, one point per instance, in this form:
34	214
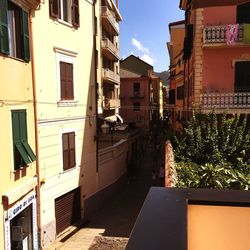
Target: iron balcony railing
217	34
110	76
111	17
106	43
225	100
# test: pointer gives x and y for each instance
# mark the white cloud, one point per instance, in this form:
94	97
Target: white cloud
145	54
139	46
147	58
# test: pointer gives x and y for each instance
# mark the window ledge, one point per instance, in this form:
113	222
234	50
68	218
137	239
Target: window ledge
77	167
67	103
57	21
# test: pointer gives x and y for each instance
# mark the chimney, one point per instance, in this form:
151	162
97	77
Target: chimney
116	3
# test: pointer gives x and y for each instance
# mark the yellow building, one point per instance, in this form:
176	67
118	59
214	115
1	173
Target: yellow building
64	63
18	179
71	42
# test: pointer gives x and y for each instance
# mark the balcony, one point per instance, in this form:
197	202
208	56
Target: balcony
226	100
110	76
110	50
109	21
216	35
111	103
137	95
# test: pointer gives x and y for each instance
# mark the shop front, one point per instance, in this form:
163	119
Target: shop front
20	223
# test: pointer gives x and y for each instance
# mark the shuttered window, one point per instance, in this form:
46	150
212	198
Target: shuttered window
4	38
54	8
66	79
243	13
66	10
75	13
172	96
68	142
242	76
14	31
25	36
23	154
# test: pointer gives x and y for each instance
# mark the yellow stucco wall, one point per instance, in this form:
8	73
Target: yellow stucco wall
54	120
15	93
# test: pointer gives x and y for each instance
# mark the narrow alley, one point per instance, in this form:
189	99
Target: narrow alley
110	227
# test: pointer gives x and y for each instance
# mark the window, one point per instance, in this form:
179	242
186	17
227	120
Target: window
172	96
180	93
136	89
242	76
66	81
68	143
23	154
136	106
14	30
65	10
243	11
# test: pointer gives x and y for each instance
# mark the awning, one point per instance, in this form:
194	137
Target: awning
19	191
119	117
112	118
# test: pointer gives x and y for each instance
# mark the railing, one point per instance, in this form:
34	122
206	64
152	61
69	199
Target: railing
217	34
226	100
106	43
111	16
110	75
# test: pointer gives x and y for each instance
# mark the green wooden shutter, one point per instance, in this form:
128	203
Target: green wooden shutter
25	36
75	13
4	37
22	125
15	126
29	150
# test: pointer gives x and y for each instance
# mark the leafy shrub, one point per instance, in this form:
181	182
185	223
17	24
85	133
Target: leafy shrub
214	152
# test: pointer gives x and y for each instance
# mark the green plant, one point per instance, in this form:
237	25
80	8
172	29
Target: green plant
209	138
213	152
209	175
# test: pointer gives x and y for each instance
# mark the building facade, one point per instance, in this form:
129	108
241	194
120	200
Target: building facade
18	189
140	92
176	68
108	54
216	54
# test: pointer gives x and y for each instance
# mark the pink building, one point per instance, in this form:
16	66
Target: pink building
217	55
139	92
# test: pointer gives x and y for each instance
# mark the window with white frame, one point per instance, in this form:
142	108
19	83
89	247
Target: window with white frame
65	10
66	75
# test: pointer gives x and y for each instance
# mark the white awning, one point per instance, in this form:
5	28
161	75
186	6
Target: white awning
119	117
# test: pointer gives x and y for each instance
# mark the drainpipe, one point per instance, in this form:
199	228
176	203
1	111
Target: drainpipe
96	87
36	128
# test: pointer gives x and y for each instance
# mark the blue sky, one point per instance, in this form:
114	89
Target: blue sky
144	29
